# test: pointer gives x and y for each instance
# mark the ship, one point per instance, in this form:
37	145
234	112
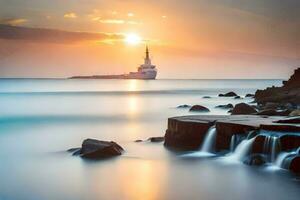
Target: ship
146	71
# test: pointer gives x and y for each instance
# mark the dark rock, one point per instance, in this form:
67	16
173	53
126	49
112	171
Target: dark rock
229	94
230	110
184	106
271	105
295	164
96	149
243	109
289	93
255	159
249	95
272	112
228	106
290	120
289	142
206	97
199	108
138	141
258	144
237	97
156	139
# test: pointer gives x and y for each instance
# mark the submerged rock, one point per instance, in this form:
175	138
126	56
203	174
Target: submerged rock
96	149
229	94
249	95
156	139
237	97
227	106
206	97
255	159
138	141
243	109
199	108
184	106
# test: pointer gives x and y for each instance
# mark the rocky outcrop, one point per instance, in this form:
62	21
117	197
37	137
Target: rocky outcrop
199	108
288	93
229	94
243	109
96	149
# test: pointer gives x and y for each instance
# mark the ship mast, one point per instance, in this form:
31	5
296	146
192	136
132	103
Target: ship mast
147	59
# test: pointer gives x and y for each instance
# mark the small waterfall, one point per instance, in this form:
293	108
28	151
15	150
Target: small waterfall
210	140
271	147
232	143
241	151
280	159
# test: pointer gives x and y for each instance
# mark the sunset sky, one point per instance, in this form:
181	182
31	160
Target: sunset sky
187	39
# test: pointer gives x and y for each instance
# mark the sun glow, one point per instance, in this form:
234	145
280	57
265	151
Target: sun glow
133	39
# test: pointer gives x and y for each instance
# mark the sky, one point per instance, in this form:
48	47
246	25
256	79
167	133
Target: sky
199	39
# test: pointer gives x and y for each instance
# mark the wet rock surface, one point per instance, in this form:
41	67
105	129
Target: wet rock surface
156	139
229	94
97	149
243	109
199	108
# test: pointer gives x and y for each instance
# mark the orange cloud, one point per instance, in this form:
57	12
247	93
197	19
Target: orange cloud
70	15
9	32
112	21
13	21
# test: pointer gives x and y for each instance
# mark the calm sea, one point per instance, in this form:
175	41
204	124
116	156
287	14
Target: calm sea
41	118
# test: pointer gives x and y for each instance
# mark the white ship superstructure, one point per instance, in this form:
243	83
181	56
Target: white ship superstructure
145	71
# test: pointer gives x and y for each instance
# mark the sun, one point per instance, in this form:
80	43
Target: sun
133	39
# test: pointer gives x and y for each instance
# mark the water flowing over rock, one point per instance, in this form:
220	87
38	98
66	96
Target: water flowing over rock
210	140
252	139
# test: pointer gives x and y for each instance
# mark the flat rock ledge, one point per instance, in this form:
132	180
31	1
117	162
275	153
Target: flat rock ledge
97	149
188	132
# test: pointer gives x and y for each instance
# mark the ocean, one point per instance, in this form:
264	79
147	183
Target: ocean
40	119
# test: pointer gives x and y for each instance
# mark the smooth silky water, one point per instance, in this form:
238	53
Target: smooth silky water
42	118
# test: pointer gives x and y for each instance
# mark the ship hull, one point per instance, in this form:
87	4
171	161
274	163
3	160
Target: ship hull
133	75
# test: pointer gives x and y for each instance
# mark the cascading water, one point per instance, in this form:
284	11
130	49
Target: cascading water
210	140
232	143
241	151
280	159
271	147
